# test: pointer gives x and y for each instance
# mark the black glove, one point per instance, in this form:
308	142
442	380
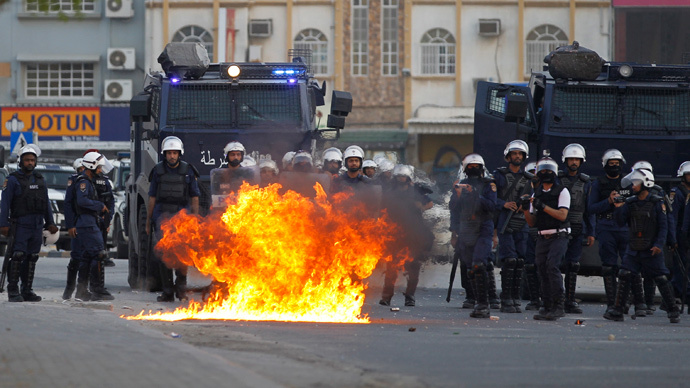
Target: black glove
524	202
538	204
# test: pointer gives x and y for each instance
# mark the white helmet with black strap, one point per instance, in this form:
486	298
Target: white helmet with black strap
574	150
516	145
172	143
403	170
612	154
639	177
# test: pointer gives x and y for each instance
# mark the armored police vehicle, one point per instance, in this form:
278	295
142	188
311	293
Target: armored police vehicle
269	107
643	110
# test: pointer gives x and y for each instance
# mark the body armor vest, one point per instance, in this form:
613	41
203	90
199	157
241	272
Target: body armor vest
471	214
606	186
34	197
578	201
92	196
550	199
104	195
172	185
684	191
643	225
517	221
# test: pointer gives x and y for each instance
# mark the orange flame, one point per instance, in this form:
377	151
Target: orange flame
279	257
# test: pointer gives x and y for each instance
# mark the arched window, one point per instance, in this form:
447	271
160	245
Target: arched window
195	34
315	41
541	41
438	52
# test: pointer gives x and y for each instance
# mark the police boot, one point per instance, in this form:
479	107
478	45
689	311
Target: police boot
13	294
507	278
571	306
83	293
672	312
181	284
72	270
97	279
168	294
557	309
608	273
27	274
546	306
494	302
615	313
470	299
480	280
533	286
517	283
649	291
638	296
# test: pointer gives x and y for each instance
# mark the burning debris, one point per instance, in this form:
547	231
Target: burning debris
279	257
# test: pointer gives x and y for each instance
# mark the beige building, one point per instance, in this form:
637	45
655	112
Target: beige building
411	65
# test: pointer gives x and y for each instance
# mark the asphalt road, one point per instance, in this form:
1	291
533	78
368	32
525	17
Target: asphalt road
434	344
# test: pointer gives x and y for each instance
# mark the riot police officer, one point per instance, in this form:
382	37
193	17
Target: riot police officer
89	210
105	195
174	187
679	196
24	211
548	211
369	168
405	203
353	157
332	161
512	182
645	215
471	223
613	238
581	222
531	275
70	219
234	154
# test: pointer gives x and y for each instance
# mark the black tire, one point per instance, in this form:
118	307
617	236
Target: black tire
149	271
133	274
119	243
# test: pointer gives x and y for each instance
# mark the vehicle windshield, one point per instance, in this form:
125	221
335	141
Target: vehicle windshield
56	179
122	173
630	110
234	106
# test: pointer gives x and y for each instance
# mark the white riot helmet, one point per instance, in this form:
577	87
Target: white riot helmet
332	154
29	149
353	151
472	159
683	169
516	145
248	161
531	167
92	160
173	143
611	154
270	164
545	164
302	157
50	238
77	164
287	158
643	165
403	170
573	150
636	177
386	165
234	146
369	163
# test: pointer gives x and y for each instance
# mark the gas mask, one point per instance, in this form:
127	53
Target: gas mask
612	171
473	171
546	176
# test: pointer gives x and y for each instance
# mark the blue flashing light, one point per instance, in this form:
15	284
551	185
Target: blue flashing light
292	81
278	72
174	80
289	72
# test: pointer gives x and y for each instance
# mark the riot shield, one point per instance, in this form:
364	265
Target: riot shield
303	182
225	181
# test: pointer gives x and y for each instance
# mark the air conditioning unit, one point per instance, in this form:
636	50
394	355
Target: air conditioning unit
118	9
121	58
489	27
260	28
118	90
